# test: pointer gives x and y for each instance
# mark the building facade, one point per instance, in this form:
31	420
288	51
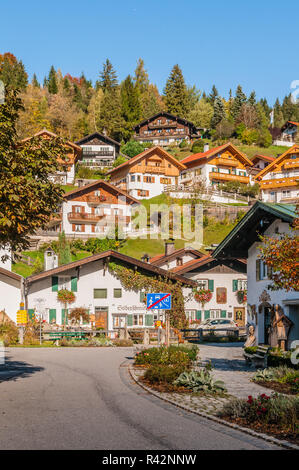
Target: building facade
164	129
98	290
260	162
146	175
98	151
10	293
279	180
216	166
67	174
288	134
93	210
270	220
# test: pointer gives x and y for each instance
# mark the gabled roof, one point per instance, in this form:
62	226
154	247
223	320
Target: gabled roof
114	255
158	260
51	134
104	137
289	122
254	223
265	158
198	263
97	184
277	161
168	115
204	156
10	274
144	154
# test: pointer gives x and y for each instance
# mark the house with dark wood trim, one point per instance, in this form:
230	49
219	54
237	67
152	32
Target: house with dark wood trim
98	151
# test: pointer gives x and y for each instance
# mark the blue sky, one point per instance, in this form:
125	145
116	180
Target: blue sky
229	42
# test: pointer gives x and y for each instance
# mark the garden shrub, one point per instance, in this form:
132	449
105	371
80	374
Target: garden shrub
275	374
122	342
160	373
280	410
9	333
172	355
200	381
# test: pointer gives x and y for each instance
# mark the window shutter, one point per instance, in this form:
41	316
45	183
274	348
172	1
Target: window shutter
198	314
149	320
223	313
142	296
31	313
258	270
129	320
235	285
207	314
54	283
52	315
211	285
74	284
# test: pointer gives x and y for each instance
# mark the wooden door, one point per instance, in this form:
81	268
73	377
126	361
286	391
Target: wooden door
239	316
101	319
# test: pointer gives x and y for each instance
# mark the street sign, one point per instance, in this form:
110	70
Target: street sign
22	316
158	301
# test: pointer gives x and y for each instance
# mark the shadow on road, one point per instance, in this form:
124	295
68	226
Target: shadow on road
16	369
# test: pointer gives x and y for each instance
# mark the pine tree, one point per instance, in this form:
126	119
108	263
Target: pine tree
176	94
52	82
141	77
219	112
12	72
239	100
279	119
64	252
108	78
213	95
34	81
252	98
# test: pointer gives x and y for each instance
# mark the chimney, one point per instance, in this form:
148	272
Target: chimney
50	259
206	147
145	258
169	248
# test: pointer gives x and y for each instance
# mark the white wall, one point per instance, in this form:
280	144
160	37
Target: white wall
10	296
154	189
256	288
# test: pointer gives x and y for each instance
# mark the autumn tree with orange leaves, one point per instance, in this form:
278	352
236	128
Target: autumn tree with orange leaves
281	255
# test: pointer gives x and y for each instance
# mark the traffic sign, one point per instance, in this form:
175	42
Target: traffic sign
158	301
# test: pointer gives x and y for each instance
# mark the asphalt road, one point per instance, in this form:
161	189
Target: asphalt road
84	399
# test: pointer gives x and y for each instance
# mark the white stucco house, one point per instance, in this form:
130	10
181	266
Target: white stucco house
97	289
224	278
10	293
271	220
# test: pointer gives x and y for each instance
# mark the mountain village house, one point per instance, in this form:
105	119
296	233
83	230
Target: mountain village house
260	162
288	135
67	174
146	175
263	304
98	151
216	166
97	289
226	279
93	210
279	180
164	129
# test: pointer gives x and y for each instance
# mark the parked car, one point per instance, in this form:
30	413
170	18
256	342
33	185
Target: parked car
218	324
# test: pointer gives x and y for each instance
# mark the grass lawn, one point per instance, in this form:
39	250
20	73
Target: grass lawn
69	187
216	233
272	151
138	247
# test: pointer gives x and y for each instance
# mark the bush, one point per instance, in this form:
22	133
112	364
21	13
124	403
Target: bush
163	373
280	410
274	373
200	381
100	342
9	333
172	355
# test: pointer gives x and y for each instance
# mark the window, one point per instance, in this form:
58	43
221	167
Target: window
119	321
191	315
203	283
142	193
286	193
132	177
149	179
138	320
117	293
64	282
179	261
138	178
261	270
165	180
242	284
77	209
100	293
78	228
97	193
215	314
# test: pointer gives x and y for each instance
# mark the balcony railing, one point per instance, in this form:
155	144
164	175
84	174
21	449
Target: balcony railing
96	164
79	217
226	162
279	183
228	177
288	165
55	219
97	153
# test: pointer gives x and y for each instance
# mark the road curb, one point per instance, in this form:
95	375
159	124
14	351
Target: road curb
253	433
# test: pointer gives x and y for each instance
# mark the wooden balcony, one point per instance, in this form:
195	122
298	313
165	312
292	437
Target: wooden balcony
95	200
83	217
279	183
216	176
226	162
291	164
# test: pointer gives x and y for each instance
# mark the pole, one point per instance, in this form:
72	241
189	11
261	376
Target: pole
167	329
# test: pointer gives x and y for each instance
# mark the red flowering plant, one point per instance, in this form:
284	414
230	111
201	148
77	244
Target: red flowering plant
258	407
242	296
202	296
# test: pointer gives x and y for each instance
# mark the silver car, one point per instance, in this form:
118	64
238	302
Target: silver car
219	324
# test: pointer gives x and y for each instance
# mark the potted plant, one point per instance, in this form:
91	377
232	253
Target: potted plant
202	296
242	296
65	297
